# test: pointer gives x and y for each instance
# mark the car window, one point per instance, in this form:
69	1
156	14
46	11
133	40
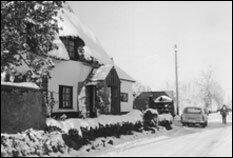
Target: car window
193	111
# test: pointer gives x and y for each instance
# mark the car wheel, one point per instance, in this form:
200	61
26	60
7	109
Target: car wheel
203	125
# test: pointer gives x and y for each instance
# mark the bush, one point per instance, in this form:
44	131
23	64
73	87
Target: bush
31	143
150	119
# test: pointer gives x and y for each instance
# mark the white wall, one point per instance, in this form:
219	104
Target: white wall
67	73
127	87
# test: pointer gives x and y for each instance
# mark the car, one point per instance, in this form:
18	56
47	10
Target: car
194	116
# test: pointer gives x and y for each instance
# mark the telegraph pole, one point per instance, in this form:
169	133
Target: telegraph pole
177	86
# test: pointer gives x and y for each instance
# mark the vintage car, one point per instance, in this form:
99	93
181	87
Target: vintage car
194	116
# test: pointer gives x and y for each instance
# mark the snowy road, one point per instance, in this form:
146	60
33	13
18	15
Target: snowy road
215	140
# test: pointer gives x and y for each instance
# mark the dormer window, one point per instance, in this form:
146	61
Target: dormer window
73	45
70	47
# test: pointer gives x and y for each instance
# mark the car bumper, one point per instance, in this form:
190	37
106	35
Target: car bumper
193	122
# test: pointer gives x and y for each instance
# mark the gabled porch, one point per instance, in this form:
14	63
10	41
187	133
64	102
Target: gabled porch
103	92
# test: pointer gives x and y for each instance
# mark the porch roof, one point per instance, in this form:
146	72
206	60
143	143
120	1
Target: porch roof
101	73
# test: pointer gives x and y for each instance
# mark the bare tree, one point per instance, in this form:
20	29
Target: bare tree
204	92
138	88
210	90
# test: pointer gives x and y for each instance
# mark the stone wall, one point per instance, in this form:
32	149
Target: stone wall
21	108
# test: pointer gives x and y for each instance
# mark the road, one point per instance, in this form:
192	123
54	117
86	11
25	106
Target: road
213	141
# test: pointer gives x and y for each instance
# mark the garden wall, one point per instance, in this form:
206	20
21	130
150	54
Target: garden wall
21	108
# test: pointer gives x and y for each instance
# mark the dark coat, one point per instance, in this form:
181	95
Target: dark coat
224	110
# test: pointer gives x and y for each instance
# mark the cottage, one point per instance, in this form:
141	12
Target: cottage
85	79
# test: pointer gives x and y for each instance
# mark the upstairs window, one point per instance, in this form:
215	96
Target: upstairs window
71	47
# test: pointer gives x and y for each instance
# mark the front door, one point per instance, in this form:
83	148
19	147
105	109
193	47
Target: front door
115	100
91	94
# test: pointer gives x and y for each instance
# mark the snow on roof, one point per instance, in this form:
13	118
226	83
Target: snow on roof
61	52
21	84
163	98
123	75
72	26
101	73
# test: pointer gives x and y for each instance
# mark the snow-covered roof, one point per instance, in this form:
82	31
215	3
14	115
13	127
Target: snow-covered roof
21	84
163	98
123	75
101	73
72	26
61	52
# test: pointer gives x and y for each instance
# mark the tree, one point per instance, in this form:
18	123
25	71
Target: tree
28	29
229	104
210	90
138	88
204	91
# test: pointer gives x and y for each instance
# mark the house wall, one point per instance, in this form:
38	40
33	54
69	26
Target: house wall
68	73
127	87
21	108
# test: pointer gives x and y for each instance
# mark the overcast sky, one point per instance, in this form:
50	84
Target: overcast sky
140	36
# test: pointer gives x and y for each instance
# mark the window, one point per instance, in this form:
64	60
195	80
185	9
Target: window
70	46
124	97
65	97
193	110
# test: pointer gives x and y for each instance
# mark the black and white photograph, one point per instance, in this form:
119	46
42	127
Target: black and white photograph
116	78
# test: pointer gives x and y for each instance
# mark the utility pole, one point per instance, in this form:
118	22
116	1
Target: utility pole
177	86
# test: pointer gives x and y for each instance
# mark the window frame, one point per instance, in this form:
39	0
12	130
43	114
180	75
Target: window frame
125	99
67	42
61	98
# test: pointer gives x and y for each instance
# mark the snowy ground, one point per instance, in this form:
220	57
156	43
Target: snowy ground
215	140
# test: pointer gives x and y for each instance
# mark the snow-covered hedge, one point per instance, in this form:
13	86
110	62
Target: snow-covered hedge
151	119
165	120
81	131
73	133
32	143
165	117
111	125
103	121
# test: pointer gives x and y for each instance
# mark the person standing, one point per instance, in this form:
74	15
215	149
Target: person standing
224	112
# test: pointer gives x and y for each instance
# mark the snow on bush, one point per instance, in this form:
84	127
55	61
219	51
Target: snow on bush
72	133
32	143
78	132
152	120
133	118
177	118
152	111
165	120
165	117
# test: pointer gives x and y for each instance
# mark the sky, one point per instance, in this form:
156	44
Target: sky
140	36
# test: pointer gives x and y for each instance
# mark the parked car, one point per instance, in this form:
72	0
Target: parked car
194	116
